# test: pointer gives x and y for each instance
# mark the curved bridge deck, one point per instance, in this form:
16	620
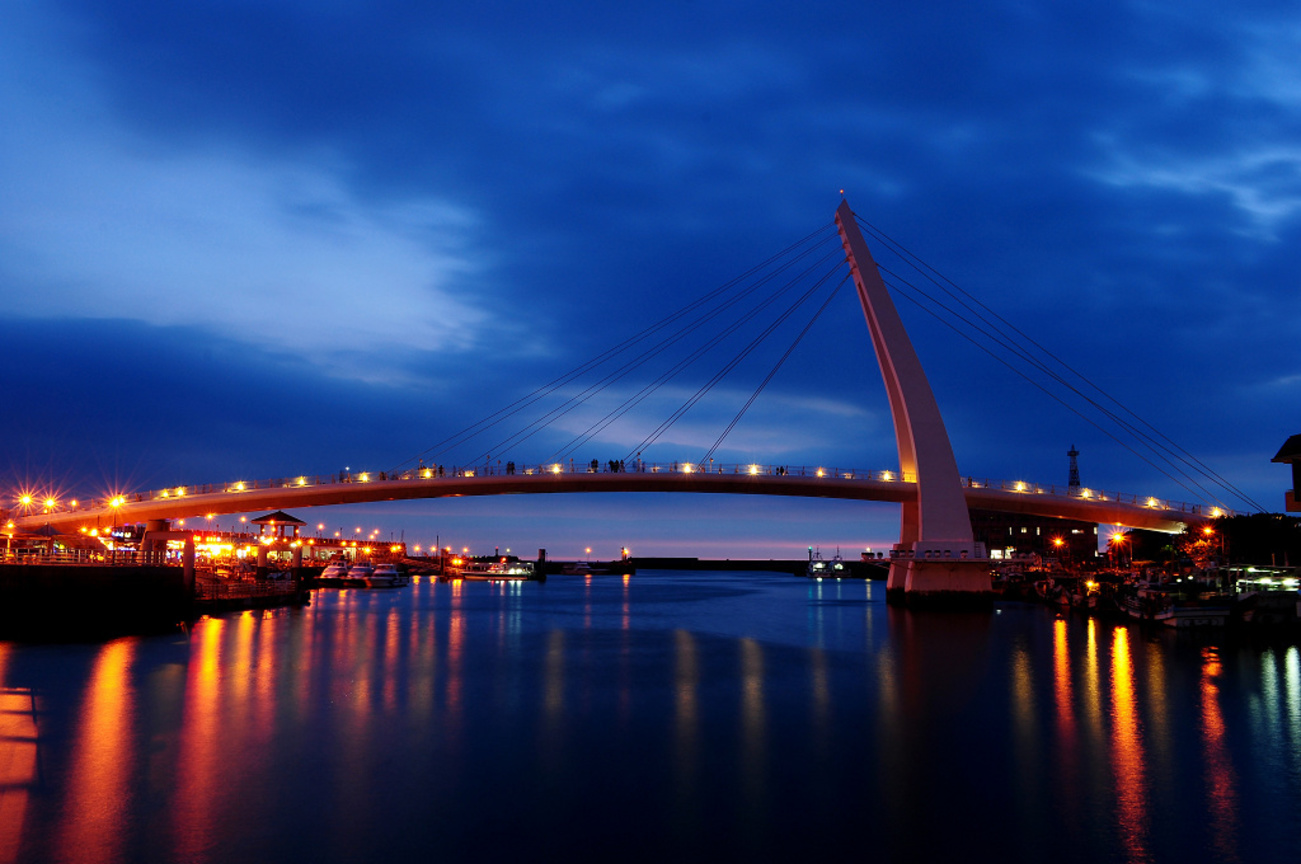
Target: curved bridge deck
849	484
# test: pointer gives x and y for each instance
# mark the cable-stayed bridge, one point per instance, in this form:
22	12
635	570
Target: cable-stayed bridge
245	496
936	554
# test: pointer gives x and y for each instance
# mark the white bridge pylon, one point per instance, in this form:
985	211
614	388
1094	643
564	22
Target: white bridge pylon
936	554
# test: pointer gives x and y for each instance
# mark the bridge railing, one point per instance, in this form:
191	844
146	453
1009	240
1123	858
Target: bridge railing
539	469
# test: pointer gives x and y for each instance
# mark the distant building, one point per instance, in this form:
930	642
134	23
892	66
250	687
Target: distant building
1010	535
1290	453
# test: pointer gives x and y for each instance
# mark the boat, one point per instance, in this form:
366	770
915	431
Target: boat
387	576
333	576
1205	610
820	568
358	573
494	571
1146	603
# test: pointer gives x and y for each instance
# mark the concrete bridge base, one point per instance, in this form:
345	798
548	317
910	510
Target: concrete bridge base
941	578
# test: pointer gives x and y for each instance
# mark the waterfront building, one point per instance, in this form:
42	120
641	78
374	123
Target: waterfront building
1290	454
1015	535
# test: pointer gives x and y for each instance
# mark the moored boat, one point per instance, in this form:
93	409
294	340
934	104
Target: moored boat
493	571
333	576
820	568
358	573
387	576
1145	603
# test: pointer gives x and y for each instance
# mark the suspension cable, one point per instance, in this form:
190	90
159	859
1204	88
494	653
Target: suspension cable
755	395
501	414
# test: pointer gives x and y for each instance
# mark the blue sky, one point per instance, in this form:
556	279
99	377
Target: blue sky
257	239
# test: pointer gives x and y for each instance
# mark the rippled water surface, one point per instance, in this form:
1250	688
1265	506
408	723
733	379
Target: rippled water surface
693	715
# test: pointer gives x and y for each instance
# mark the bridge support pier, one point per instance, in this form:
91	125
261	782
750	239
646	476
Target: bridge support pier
939	582
936	561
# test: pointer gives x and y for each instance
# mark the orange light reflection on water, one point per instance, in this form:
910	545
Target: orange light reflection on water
1062	691
201	747
1068	743
1128	765
101	792
1220	784
18	743
686	738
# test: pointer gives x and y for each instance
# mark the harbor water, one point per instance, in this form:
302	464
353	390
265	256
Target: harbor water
661	716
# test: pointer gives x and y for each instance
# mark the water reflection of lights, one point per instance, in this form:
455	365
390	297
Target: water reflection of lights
1062	690
686	739
101	790
1068	761
392	658
1025	725
200	746
18	759
821	705
554	677
1092	689
1220	784
1292	689
754	762
1128	765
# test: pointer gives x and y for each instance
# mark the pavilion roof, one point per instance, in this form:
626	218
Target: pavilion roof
1290	451
280	517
